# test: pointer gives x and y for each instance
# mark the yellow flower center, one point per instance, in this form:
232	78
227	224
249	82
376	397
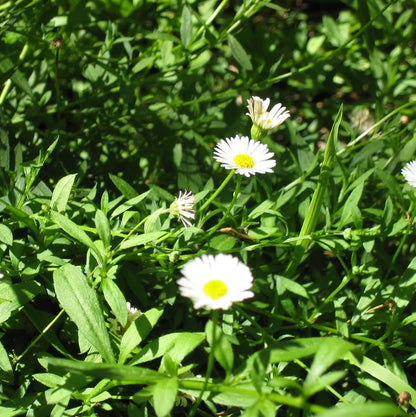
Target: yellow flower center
215	289
244	161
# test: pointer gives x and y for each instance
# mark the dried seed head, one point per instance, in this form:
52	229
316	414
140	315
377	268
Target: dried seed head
58	42
404	398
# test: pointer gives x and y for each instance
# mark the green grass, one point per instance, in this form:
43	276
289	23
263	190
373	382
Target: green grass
108	109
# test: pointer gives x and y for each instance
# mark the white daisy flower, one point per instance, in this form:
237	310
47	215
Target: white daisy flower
409	173
245	155
183	208
215	282
257	110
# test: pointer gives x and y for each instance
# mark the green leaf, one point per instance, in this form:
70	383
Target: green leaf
61	193
262	407
382	374
315	206
80	302
186	26
284	283
6	235
76	232
289	350
164	396
6	370
364	410
141	239
258	366
14	296
129	204
125	374
223	351
260	209
152	223
178	345
330	350
351	205
239	53
103	227
403	290
49	379
323	382
124	187
115	299
138	331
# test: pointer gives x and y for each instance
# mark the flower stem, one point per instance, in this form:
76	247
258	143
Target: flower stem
230	206
210	365
219	189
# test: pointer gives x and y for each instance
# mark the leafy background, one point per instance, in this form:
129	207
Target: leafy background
108	109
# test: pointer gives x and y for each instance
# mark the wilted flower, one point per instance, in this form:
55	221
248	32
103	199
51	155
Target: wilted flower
244	155
215	282
183	208
262	119
409	173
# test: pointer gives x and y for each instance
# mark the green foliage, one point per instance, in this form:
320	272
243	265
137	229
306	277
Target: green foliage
107	110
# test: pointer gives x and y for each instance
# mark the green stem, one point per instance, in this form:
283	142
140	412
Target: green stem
297	402
314	209
331	296
219	189
57	91
229	208
33	343
210	366
209	20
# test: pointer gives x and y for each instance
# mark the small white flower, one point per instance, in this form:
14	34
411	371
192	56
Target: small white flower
132	312
245	155
215	282
261	117
409	173
130	308
1	275
183	208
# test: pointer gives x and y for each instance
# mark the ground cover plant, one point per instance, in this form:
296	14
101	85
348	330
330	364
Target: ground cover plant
207	208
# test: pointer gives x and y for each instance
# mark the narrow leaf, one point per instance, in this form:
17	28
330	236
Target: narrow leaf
14	296
6	235
61	193
239	53
364	410
76	232
122	373
6	370
178	345
314	208
124	187
81	304
382	374
141	239
103	227
138	331
115	300
186	26
164	396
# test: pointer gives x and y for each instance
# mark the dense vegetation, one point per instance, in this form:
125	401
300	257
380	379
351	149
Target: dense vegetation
110	109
